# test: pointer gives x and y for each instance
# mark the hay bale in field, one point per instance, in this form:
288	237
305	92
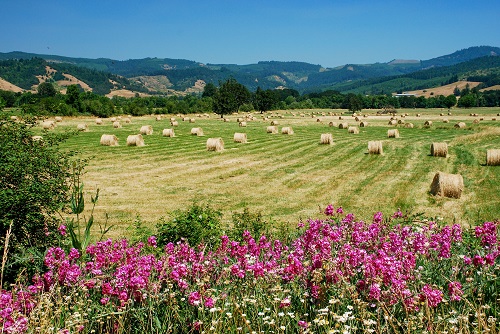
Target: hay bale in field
117	125
215	144
441	114
192	120
36	138
172	119
493	157
158	117
409	125
375	147
286	130
185	119
98	121
239	119
418	115
494	119
58	119
428	123
168	133
274	123
445	120
272	129
353	129
146	130
240	137
112	119
340	118
447	185
363	124
393	133
449	114
174	123
197	132
109	140
460	125
357	119
343	125
392	122
243	124
13	118
48	125
318	120
225	119
439	150
135	140
82	127
476	121
332	124
126	120
401	121
326	138
304	115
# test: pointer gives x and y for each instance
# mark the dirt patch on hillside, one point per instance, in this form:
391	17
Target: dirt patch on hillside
497	87
125	93
444	90
156	83
71	80
5	85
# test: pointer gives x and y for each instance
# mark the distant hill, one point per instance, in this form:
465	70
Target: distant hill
167	76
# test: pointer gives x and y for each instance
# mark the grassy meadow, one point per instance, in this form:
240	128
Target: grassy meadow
290	177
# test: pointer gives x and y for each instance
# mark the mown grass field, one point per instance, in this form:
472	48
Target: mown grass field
290	177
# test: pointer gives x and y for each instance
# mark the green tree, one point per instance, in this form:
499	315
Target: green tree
353	102
467	101
73	96
46	89
264	100
209	90
229	97
450	101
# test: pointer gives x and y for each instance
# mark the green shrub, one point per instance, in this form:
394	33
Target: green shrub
247	221
200	224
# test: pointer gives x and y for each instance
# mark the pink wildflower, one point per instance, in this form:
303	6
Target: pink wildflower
303	324
152	241
433	296
62	230
329	210
455	291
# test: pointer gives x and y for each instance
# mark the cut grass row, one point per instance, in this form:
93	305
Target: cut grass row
288	177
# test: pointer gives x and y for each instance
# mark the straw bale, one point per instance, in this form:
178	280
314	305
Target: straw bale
172	119
168	133
460	125
82	127
117	125
418	115
393	133
109	140
36	138
135	140
174	123
476	121
493	157
353	129
332	124
428	123
272	129
197	131
192	120
286	130
185	119
375	147
326	138
274	123
243	124
445	120
48	125
240	137
409	125
401	121
158	118
58	119
146	130
215	144
343	125
447	185
112	119
13	118
363	124
98	121
392	122
439	150
126	120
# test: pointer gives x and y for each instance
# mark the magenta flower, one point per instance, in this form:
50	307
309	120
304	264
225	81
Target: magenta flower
62	230
329	210
377	218
455	291
152	241
194	298
433	296
209	302
303	324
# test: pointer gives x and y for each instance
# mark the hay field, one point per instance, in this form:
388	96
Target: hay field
289	177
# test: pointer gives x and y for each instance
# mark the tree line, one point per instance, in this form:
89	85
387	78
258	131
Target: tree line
229	97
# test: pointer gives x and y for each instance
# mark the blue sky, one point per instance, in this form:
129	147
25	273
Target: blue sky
328	33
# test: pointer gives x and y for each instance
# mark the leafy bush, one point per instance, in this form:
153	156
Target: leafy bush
198	224
247	221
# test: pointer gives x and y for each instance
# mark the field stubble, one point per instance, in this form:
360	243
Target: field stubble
287	177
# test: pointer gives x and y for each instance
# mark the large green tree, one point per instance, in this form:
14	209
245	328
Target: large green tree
264	100
229	97
46	89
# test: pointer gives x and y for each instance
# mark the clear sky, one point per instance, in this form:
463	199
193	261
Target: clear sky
328	33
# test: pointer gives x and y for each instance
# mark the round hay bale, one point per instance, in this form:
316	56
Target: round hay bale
363	124
332	124
318	120
225	119
192	120
240	137
439	150
409	125
185	119
476	121
197	132
172	119
393	133
441	114
158	118
392	122
48	125
493	157
357	119
117	125
36	138
286	130
340	118
13	118
447	185
98	121
460	125
168	133
272	129
326	139
445	120
343	125
375	147
82	127
58	119
401	121
239	119
215	144
146	130
109	140
428	123
126	120
135	140
353	129
243	124
112	119
418	115
274	123
174	123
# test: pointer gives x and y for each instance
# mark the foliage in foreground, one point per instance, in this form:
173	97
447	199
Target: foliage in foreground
340	274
